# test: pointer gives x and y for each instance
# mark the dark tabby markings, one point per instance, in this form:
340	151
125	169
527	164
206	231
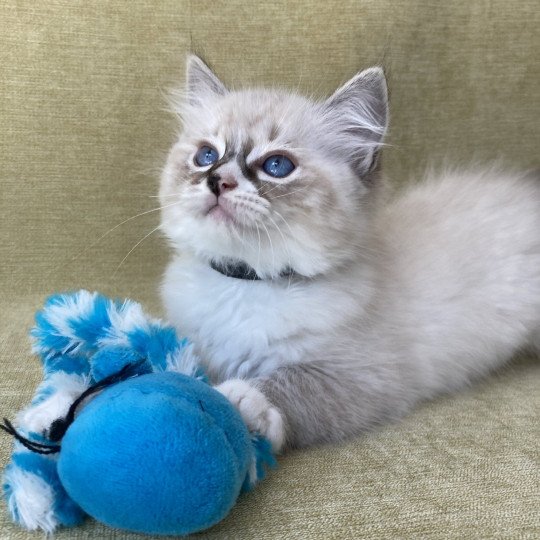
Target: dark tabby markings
248	172
227	156
201	176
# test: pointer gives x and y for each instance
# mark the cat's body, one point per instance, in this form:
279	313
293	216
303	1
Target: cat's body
391	301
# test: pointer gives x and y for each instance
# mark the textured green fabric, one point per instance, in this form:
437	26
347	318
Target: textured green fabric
83	134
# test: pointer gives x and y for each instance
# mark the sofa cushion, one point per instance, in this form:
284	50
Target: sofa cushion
83	135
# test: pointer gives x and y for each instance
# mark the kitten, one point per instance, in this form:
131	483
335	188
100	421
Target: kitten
319	306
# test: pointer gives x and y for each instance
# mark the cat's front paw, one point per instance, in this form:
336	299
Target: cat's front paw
258	413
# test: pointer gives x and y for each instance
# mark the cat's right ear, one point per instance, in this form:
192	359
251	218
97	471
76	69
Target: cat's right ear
357	113
201	80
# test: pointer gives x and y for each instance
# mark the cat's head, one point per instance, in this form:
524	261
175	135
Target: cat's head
271	178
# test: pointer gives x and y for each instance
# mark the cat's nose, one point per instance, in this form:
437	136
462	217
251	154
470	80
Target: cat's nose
218	185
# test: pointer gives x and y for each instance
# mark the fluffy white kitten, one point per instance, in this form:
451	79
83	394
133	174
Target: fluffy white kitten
320	307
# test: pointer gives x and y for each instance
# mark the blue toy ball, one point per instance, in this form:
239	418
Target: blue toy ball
157	451
162	453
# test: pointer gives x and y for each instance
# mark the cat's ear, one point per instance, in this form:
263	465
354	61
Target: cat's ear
201	80
358	114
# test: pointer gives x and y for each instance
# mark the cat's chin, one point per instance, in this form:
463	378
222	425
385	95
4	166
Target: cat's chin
220	214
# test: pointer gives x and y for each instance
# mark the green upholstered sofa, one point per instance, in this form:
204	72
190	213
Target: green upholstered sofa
83	132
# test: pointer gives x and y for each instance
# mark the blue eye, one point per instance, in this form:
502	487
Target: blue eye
278	166
206	155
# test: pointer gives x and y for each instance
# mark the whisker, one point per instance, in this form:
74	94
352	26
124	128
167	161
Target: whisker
78	255
311	180
252	197
259	238
119	225
133	249
284	221
234	228
290	192
277	185
242	240
285	246
271	245
167	195
253	206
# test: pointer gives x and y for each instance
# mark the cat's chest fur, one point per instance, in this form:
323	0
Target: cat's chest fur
247	328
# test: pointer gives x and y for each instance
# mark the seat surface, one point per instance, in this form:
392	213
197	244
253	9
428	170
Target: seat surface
83	135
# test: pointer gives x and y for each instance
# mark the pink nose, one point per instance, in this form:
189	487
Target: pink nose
227	184
218	185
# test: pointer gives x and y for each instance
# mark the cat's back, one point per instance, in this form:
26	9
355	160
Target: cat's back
460	268
463	218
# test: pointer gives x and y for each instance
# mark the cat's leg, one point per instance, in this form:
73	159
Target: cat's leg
312	403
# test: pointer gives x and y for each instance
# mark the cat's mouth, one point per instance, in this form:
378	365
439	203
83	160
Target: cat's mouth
221	212
239	211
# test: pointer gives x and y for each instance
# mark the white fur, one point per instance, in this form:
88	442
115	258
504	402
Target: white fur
401	298
39	417
184	361
59	315
248	329
256	410
128	318
32	500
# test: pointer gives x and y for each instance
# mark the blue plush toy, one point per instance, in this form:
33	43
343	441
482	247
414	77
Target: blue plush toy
134	436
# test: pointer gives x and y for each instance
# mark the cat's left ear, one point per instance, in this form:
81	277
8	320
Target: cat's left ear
358	114
201	80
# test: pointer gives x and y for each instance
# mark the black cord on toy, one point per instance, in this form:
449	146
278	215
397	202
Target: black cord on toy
39	448
59	427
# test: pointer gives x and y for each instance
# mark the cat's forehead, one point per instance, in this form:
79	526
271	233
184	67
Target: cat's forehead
263	115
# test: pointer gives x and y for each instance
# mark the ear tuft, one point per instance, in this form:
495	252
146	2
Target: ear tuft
201	80
358	113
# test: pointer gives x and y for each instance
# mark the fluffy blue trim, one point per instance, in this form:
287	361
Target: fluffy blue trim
112	359
155	344
71	323
77	325
66	511
73	365
263	459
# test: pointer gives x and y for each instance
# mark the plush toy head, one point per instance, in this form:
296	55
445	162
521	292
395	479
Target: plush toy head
160	453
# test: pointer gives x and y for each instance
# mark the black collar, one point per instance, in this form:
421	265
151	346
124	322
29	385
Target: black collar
241	270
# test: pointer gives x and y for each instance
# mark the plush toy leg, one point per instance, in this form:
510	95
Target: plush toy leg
83	337
34	495
133	336
65	378
70	324
263	459
81	324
